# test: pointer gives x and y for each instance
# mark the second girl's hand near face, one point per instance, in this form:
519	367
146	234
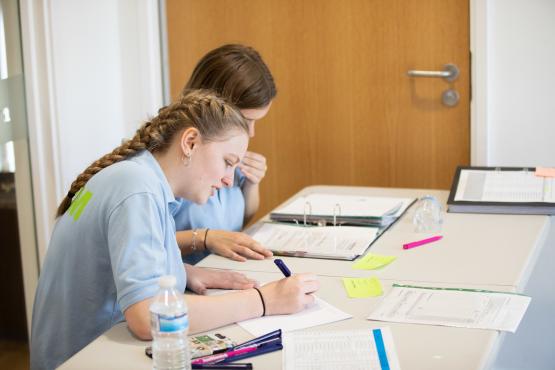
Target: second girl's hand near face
253	167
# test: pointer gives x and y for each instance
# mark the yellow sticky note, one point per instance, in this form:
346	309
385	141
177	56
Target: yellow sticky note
372	261
362	287
545	172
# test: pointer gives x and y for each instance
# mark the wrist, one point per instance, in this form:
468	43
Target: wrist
262	301
203	238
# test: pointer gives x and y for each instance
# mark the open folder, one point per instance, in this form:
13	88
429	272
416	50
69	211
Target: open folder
339	242
335	209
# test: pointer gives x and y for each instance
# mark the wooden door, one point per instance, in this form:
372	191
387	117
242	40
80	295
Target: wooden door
346	112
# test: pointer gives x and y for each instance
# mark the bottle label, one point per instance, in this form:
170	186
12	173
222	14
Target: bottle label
171	324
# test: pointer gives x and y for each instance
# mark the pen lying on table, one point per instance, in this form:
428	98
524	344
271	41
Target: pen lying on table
266	343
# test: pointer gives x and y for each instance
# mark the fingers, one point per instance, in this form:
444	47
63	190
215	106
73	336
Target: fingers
248	247
253	167
235	280
233	256
196	286
254	157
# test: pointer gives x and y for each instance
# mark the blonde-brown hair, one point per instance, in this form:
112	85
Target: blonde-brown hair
237	73
210	114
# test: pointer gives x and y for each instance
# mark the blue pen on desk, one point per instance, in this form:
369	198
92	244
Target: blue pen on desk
283	268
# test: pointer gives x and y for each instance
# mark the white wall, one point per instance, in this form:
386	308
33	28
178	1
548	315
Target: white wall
93	74
521	82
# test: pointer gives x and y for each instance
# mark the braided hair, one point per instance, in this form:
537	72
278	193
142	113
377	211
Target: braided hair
210	114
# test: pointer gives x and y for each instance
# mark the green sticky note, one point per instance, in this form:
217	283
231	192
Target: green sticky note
373	261
362	287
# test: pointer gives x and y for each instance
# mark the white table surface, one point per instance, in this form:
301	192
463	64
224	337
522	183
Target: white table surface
475	249
495	252
418	346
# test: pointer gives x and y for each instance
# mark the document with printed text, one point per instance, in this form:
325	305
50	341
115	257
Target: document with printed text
362	349
340	242
463	308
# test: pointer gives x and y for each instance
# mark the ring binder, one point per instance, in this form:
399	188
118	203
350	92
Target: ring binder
336	207
307	203
348	210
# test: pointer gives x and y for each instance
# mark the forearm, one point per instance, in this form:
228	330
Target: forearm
251	193
185	241
209	312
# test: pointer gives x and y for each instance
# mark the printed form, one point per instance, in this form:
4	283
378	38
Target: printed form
363	349
347	241
504	186
462	308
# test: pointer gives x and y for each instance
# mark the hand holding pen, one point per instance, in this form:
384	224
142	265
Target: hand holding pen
289	295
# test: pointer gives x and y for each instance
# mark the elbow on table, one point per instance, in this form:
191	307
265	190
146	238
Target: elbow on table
140	330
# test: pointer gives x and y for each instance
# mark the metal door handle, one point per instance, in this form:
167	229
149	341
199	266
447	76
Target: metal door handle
450	73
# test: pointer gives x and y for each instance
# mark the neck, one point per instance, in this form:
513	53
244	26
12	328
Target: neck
171	166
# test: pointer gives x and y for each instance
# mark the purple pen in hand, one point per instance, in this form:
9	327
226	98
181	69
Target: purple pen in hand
283	268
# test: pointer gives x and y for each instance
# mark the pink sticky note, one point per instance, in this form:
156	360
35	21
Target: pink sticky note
545	172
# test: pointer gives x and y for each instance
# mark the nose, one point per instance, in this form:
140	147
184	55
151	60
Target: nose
227	180
251	129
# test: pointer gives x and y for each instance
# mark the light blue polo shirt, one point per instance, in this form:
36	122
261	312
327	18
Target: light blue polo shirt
106	254
225	210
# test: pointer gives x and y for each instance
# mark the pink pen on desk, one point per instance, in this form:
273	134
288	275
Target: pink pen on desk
421	242
223	356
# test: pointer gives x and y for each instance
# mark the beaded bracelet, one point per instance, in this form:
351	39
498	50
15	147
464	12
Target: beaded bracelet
194	240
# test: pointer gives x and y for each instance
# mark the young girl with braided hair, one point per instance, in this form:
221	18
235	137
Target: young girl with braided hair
115	235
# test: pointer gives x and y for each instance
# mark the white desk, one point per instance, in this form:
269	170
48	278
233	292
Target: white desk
479	251
476	248
418	346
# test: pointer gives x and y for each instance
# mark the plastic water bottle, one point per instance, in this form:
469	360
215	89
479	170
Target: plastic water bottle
169	323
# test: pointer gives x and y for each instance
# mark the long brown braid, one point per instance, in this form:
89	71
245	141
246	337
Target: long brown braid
210	114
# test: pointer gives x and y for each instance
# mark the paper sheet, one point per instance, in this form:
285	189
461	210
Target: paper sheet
372	261
452	307
363	349
362	287
346	241
320	313
504	186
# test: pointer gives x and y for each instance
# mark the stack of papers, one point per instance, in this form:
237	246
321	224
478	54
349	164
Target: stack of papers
362	349
339	242
343	209
464	308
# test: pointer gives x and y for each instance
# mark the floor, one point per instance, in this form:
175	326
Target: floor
14	355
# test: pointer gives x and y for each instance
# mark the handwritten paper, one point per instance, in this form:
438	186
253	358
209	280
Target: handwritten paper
372	261
362	287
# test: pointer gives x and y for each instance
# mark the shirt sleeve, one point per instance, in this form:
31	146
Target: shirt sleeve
137	250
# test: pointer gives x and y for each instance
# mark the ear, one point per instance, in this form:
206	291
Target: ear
189	139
